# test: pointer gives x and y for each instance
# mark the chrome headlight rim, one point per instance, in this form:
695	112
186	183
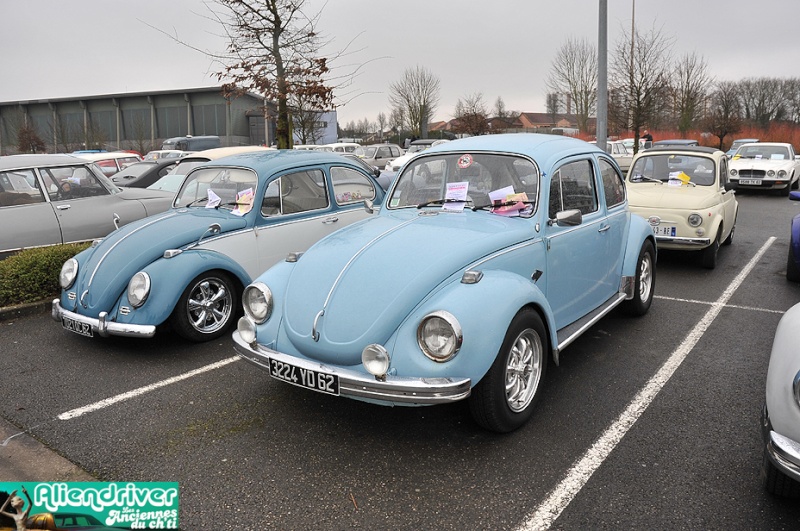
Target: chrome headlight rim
456	331
694	219
258	293
247	330
68	274
771	173
734	173
796	388
376	360
139	289
781	173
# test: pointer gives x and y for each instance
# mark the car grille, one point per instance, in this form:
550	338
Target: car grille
757	174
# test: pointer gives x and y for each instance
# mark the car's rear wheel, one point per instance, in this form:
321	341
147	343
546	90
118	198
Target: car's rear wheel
505	398
710	253
645	281
207	307
776	482
792	271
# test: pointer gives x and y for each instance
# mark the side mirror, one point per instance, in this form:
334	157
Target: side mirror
730	186
569	218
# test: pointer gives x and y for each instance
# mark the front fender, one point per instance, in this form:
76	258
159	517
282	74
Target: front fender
484	311
638	233
169	277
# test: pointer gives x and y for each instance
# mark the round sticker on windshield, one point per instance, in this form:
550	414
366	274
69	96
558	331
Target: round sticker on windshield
465	161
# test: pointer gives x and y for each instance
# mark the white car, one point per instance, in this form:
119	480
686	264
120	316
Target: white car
684	194
780	417
417	146
618	150
110	162
765	166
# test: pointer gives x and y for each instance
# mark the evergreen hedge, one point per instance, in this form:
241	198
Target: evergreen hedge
32	275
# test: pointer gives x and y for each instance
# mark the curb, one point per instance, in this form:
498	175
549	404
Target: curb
8	313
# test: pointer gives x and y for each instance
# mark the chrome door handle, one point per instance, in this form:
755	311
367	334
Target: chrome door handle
63	207
328	221
604	228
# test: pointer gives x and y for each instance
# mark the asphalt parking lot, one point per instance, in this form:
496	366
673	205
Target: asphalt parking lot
647	423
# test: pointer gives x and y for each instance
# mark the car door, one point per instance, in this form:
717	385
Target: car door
578	257
727	197
84	204
26	218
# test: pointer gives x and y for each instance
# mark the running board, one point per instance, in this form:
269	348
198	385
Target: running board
570	333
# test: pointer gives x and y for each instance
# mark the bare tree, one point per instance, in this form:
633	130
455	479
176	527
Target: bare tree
471	115
689	89
416	94
762	100
640	78
28	141
500	110
306	122
724	113
273	49
381	122
552	106
573	71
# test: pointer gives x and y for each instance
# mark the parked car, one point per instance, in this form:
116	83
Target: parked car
617	149
54	199
766	166
191	143
62	521
685	195
110	162
739	142
780	417
165	154
143	174
231	219
383	177
793	262
339	147
379	154
461	287
417	146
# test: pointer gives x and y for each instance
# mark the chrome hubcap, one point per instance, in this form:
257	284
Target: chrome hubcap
210	306
523	370
645	278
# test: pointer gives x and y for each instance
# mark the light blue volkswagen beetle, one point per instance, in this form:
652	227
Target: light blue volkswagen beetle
490	255
231	219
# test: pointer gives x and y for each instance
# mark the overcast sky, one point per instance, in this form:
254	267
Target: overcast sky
59	48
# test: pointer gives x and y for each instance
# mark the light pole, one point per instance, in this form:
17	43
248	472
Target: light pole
602	76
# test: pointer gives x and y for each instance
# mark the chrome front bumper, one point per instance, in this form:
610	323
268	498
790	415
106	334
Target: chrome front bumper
782	451
695	242
353	384
101	325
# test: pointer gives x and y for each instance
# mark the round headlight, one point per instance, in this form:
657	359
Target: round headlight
695	220
439	336
257	302
69	271
138	289
771	173
734	173
782	173
247	330
375	359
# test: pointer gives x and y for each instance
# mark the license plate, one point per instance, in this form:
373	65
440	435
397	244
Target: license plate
84	329
310	379
664	231
750	181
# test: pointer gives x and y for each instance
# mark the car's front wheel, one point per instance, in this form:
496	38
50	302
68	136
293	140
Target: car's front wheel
207	307
776	482
710	252
792	271
645	281
505	398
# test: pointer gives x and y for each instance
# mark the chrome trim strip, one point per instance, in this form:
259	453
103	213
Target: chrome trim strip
102	326
685	241
415	391
588	324
515	247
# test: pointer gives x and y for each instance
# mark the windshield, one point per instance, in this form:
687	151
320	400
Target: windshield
187	165
415	148
217	187
675	170
763	152
428	178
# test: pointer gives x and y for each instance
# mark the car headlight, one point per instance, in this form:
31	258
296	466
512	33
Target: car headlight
376	360
247	330
695	219
69	272
796	388
782	174
771	173
257	302
439	336
138	289
734	173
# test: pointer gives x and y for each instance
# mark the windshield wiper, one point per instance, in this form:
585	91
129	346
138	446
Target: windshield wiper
640	178
197	201
441	202
500	204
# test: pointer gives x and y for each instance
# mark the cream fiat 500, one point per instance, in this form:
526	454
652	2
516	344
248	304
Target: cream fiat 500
685	195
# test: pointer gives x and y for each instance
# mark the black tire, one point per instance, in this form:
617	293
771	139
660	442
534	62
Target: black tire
776	482
785	190
645	284
505	398
792	271
729	239
710	253
207	307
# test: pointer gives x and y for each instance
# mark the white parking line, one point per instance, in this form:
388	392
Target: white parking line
735	306
142	390
561	496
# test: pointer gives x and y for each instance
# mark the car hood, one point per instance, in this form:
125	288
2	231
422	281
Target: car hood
653	195
746	164
154	201
369	276
109	266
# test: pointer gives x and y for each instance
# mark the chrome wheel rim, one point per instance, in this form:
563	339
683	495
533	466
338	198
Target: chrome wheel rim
645	277
523	370
209	306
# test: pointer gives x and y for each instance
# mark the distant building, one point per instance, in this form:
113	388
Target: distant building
140	121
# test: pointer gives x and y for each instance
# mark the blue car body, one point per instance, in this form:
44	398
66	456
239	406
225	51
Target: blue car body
793	261
372	284
186	243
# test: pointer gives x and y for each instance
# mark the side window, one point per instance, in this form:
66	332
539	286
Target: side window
384	153
613	185
395	151
723	172
295	192
71	182
572	187
19	187
350	186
